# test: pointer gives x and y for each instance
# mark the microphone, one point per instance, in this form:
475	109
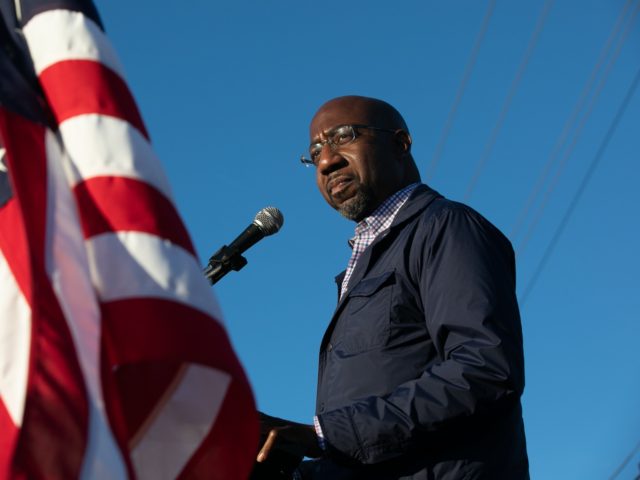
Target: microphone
267	221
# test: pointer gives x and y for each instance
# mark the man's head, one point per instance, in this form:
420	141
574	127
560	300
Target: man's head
356	176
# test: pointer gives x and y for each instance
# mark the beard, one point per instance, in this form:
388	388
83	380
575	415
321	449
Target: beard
358	206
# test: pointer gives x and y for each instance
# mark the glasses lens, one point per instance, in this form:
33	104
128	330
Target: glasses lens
340	136
343	135
314	152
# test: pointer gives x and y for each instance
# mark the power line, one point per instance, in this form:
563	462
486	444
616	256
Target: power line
618	470
460	92
578	132
560	142
507	103
576	198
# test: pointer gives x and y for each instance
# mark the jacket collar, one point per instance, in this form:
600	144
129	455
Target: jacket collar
420	198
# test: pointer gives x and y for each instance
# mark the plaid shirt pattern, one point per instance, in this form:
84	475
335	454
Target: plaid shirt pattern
369	228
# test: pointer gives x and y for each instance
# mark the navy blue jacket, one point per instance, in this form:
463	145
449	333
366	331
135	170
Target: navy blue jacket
421	368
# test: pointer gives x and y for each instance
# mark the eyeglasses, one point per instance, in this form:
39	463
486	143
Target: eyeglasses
337	137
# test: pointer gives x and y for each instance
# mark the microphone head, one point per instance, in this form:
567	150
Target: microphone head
269	220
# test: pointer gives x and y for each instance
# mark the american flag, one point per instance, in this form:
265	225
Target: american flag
114	362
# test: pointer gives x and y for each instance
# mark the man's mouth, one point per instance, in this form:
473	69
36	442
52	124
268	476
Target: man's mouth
336	186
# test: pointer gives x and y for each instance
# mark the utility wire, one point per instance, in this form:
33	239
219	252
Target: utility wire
560	142
507	103
576	198
460	92
578	132
624	462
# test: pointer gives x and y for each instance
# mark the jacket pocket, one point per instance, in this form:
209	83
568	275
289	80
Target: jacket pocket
364	324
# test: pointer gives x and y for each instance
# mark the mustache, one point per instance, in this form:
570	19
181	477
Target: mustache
335	178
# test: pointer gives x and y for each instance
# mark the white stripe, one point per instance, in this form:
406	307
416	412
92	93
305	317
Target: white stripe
15	339
148	266
106	146
58	35
3	156
67	267
102	458
181	426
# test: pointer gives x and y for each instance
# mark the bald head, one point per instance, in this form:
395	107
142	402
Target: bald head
361	110
356	176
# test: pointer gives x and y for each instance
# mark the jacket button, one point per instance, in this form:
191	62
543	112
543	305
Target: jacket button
322	407
329	347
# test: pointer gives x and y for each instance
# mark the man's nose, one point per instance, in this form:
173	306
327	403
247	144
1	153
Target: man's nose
330	159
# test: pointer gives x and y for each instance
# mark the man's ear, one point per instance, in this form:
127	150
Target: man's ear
403	141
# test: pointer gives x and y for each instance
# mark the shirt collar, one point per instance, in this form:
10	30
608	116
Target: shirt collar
383	216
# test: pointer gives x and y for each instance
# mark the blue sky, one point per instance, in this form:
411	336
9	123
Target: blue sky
227	90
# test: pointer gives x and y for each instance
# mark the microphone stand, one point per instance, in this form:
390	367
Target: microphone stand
222	262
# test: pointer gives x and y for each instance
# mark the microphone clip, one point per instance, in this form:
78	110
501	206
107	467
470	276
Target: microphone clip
222	262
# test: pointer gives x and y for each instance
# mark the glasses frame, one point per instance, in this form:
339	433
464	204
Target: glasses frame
307	162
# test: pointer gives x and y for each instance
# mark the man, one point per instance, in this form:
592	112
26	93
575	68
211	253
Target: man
421	368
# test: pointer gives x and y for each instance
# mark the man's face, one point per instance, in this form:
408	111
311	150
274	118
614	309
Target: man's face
354	178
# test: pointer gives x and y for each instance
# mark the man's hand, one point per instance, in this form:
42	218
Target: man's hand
290	437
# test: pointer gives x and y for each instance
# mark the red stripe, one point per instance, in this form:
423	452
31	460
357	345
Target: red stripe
230	449
151	337
148	339
153	329
112	204
77	87
24	142
113	405
142	386
53	435
8	437
13	244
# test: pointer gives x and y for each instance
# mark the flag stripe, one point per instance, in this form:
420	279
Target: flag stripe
70	278
8	437
223	454
159	378
30	9
56	414
106	146
174	339
14	245
15	340
149	267
196	340
15	329
181	430
77	37
109	204
76	87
